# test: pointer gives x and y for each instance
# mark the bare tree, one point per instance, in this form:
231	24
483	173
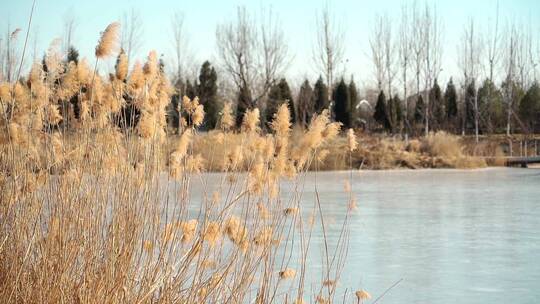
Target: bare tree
273	48
237	43
494	48
536	65
328	50
389	54
432	43
70	26
510	70
417	45
404	48
522	56
10	56
470	62
2	58
377	45
530	60
383	51
35	37
182	54
493	52
535	56
131	38
252	54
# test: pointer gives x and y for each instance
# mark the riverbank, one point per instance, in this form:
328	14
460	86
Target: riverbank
379	152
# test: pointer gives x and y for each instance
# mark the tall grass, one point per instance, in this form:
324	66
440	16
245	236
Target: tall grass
93	211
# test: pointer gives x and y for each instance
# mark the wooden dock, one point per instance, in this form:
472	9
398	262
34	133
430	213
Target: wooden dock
522	161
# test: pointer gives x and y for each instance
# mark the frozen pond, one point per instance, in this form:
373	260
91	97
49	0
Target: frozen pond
450	235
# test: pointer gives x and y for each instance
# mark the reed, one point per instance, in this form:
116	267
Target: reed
93	211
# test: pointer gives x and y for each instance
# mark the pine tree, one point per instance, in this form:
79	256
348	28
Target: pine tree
244	104
207	90
491	107
44	64
73	55
529	108
342	108
320	92
513	94
305	103
280	93
391	114
353	95
397	114
286	96
436	106
470	95
161	64
273	102
419	110
190	90
450	97
381	113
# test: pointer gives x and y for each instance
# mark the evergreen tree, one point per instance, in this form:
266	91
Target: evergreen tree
419	110
320	92
161	64
450	97
244	103
279	93
491	107
436	106
470	95
342	108
207	90
391	114
73	55
381	113
513	94
353	95
190	90
397	114
305	103
529	108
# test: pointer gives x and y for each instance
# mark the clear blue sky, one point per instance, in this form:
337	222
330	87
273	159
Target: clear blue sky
298	19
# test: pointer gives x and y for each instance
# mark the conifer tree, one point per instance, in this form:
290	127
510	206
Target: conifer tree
397	114
353	95
470	95
491	107
207	90
305	103
513	93
436	103
529	108
391	114
450	98
419	110
244	102
280	93
190	90
73	55
342	107
320	92
381	113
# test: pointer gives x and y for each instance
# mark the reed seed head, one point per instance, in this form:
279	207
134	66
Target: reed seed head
108	42
287	273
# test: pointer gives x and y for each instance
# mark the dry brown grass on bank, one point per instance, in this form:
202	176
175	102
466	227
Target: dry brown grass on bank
438	150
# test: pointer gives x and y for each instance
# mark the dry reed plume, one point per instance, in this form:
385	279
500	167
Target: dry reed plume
95	208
